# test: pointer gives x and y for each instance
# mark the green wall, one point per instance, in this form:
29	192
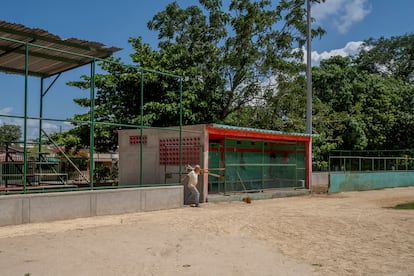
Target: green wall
341	182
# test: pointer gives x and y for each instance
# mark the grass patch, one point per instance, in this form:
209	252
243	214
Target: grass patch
406	206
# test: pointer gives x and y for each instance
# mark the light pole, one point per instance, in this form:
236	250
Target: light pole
309	91
308	69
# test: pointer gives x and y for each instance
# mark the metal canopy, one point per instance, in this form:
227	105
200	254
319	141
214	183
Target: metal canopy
47	53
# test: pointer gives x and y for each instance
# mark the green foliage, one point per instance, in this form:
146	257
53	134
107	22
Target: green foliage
71	139
101	173
368	98
9	134
392	56
240	66
405	206
225	56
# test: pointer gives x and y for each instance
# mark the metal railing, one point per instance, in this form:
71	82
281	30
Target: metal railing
370	163
23	177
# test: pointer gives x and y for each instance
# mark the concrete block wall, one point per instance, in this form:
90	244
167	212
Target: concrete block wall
30	208
152	171
320	182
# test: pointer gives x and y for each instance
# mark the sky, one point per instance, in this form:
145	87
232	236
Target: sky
347	23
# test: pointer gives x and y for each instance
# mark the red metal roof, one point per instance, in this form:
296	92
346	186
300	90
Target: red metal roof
217	130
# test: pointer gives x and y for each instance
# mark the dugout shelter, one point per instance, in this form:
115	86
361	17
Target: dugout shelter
235	159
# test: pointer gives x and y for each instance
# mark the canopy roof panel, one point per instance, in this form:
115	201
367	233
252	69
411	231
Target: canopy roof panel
48	53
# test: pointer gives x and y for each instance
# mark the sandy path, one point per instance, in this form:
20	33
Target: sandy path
343	234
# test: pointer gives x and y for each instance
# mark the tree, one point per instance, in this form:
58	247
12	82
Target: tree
400	136
364	105
392	56
225	58
9	134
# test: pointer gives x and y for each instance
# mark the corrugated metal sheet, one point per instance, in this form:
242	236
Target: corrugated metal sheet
48	53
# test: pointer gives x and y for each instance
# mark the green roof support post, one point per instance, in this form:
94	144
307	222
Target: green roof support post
7	159
39	154
40	120
92	126
181	130
26	76
142	125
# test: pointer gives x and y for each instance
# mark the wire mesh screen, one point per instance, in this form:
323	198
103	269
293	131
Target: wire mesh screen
251	165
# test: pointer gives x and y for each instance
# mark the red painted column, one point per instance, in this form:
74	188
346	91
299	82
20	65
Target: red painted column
205	154
309	163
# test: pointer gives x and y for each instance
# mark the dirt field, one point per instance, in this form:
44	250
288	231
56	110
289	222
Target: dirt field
343	234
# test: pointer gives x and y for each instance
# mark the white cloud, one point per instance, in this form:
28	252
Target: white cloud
350	49
324	10
341	13
6	110
33	124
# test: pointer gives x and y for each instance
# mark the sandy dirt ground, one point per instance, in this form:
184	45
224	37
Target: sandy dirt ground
350	233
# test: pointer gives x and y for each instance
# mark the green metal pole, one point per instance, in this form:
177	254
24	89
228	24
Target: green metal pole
142	126
39	155
7	167
329	163
181	129
406	163
308	68
26	76
92	126
224	162
40	116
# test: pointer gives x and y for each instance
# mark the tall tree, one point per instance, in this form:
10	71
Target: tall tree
231	54
392	56
224	55
9	134
365	104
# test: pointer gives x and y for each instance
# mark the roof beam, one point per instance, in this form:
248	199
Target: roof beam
8	50
21	72
45	56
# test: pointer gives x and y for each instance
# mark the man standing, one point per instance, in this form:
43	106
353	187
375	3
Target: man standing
192	185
